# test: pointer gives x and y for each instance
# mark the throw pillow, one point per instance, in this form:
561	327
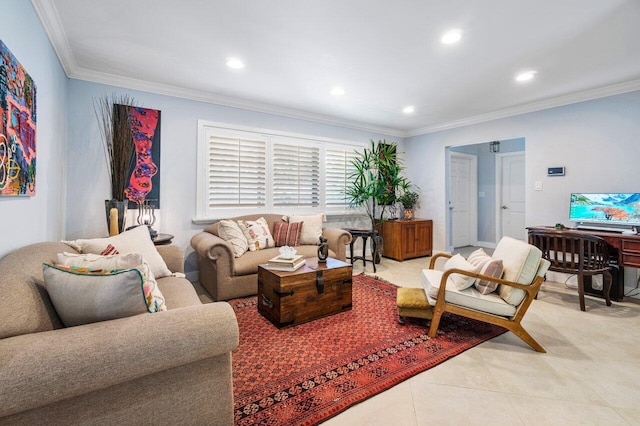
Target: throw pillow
96	261
458	262
257	234
287	234
312	228
113	262
81	296
229	231
485	265
136	240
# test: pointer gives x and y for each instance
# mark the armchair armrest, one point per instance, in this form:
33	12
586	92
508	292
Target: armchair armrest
530	289
337	239
172	256
41	368
432	264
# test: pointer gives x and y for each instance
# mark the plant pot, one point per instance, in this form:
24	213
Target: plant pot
408	214
121	207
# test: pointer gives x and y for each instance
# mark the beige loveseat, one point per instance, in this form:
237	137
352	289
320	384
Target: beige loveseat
226	277
171	367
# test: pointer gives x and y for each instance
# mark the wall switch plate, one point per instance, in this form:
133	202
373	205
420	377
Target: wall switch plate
538	185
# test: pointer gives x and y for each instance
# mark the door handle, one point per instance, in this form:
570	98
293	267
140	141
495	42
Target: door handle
504	208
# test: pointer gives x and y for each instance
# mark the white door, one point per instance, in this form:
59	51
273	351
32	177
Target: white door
512	195
462	199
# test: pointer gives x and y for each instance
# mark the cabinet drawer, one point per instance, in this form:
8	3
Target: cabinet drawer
632	260
630	246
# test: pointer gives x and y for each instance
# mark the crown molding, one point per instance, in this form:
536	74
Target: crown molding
50	19
587	95
198	95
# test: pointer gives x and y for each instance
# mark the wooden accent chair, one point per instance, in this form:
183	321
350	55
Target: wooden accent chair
575	253
523	275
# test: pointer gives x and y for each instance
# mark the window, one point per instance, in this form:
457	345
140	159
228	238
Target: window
243	171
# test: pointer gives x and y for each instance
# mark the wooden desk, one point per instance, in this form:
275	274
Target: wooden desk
624	250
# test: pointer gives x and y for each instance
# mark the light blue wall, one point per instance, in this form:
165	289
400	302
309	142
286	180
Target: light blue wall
28	220
487	183
87	171
597	141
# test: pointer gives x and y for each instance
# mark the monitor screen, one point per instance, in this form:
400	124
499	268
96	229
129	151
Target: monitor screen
620	209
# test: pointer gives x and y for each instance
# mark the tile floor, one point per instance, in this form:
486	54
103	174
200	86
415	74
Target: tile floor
590	374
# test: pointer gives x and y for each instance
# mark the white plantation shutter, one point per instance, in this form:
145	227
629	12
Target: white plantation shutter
296	175
243	170
338	169
237	173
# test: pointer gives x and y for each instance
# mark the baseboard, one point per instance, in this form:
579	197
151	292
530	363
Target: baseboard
486	244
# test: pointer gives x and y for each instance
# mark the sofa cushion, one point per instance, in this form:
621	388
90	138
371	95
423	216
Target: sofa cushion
230	231
311	229
469	297
136	240
520	261
485	265
248	263
257	234
287	234
82	296
458	262
178	292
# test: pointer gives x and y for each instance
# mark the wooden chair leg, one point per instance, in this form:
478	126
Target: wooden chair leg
581	291
435	322
526	337
607	279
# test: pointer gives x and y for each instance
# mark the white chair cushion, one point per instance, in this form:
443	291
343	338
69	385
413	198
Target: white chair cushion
521	262
469	298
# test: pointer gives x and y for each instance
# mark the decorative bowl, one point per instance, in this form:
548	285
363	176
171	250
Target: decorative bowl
287	252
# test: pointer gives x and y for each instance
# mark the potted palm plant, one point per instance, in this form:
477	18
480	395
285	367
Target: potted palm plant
376	179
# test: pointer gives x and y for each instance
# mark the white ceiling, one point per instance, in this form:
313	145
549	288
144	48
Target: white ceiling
385	53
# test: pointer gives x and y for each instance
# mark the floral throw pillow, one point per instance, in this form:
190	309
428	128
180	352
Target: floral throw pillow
257	234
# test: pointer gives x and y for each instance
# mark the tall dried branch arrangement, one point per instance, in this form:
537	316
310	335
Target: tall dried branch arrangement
112	112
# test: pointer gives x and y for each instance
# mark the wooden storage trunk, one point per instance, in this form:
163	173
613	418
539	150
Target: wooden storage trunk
313	291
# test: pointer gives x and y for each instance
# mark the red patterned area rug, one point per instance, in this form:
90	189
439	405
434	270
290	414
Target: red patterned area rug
305	374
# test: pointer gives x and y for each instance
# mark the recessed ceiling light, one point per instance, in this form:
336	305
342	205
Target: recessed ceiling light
451	37
337	91
526	76
409	109
235	63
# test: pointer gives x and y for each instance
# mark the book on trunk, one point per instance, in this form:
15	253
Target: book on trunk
281	264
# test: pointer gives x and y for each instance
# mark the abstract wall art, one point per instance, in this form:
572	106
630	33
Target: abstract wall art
17	127
144	181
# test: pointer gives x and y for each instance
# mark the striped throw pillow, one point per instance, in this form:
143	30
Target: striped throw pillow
287	234
485	265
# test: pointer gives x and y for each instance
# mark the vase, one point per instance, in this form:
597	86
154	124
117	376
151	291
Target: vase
121	207
408	214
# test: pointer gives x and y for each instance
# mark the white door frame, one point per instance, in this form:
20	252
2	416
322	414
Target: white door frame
499	203
472	217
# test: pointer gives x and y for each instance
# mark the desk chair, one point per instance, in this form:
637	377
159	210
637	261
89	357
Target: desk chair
575	253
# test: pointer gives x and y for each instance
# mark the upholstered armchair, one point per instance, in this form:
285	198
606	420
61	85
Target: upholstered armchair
521	275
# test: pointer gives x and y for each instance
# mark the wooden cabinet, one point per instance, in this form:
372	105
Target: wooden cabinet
405	239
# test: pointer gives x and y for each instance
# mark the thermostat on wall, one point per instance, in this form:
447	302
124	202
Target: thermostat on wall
555	171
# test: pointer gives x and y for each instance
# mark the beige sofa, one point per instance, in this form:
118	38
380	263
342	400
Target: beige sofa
171	367
226	277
